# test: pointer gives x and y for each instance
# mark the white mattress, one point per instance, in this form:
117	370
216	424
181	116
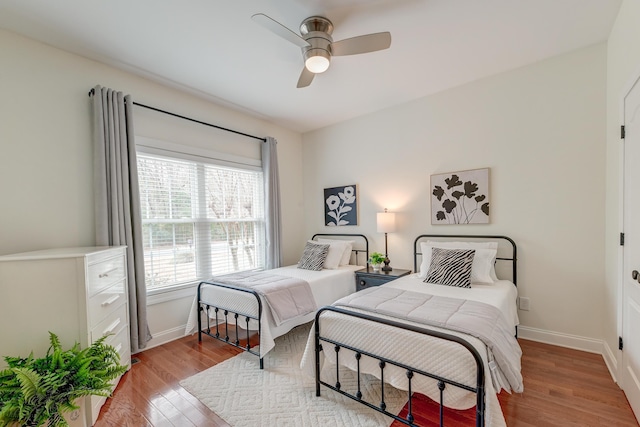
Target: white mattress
327	286
445	358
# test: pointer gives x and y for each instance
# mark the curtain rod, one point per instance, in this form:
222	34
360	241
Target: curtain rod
92	92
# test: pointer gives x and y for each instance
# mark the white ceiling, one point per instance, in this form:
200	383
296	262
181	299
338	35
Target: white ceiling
214	49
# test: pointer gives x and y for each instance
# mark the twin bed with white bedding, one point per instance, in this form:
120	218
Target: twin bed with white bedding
275	301
455	345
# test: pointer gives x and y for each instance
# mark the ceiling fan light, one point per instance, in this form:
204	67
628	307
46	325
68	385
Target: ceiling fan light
317	61
317	64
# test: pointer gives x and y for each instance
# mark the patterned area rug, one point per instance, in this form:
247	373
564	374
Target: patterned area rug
282	395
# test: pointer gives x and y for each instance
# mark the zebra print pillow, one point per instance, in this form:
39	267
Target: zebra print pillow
451	267
313	256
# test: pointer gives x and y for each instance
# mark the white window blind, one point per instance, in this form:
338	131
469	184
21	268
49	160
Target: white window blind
199	220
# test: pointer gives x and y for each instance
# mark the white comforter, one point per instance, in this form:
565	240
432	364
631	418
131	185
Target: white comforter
448	359
327	286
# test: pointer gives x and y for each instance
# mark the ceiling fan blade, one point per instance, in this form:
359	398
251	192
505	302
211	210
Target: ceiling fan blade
279	29
361	44
306	77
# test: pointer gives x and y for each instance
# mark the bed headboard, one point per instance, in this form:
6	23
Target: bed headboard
507	250
360	245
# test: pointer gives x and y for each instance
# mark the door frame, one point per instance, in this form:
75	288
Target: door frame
635	79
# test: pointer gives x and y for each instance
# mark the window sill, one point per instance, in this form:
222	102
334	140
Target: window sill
171	293
158	296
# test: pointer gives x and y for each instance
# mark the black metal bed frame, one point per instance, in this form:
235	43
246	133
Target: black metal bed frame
206	306
226	311
479	388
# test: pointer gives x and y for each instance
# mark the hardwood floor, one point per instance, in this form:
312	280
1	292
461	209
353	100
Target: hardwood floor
563	387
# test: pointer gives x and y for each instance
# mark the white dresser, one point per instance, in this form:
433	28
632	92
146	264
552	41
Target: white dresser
80	294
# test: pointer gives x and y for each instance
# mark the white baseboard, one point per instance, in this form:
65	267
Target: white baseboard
164	337
563	340
611	361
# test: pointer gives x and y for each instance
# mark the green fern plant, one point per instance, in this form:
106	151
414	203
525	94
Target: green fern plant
37	392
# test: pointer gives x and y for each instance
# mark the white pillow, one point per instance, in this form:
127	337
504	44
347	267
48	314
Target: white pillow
334	256
346	256
483	260
464	245
345	245
494	277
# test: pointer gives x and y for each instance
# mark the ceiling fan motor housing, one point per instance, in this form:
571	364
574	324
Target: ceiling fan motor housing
317	30
316	23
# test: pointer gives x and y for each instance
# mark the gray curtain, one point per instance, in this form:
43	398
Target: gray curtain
117	198
272	203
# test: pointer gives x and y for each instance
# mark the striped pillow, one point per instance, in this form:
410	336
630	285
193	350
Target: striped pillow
313	256
451	267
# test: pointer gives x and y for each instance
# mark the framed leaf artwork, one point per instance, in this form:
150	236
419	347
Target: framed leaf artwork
340	206
460	197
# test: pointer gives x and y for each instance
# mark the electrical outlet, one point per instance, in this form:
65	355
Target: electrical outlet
523	303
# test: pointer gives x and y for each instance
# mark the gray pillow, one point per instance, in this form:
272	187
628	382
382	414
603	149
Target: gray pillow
313	256
450	267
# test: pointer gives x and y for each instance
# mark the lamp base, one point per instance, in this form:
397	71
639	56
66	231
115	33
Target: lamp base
387	267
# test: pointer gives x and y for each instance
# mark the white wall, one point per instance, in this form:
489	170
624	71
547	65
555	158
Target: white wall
623	65
46	150
541	130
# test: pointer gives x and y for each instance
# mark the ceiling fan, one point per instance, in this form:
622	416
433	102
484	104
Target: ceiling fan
317	45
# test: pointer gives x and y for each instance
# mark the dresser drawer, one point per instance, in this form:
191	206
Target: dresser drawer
96	403
105	273
121	343
112	324
104	303
106	253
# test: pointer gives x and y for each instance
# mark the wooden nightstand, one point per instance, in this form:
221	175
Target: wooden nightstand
366	277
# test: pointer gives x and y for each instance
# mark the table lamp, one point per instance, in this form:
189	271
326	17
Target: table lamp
386	222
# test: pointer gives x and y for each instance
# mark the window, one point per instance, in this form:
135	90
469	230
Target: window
198	220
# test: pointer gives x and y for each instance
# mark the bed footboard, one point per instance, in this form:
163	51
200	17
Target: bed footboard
411	372
205	306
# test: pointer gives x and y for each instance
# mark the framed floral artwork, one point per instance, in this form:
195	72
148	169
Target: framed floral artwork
460	197
340	206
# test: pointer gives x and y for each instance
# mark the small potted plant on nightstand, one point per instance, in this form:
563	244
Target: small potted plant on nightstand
39	392
376	259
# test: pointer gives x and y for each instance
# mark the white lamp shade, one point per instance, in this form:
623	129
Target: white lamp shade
386	222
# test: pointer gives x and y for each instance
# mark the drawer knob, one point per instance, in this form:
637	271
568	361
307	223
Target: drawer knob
106	273
362	283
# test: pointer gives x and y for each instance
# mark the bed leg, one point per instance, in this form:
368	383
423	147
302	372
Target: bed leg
410	400
480	406
200	310
318	349
261	363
